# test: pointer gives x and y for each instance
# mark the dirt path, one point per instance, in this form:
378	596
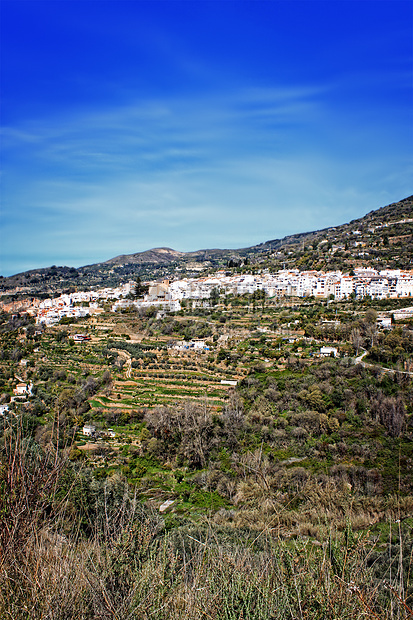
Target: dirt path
359	360
128	361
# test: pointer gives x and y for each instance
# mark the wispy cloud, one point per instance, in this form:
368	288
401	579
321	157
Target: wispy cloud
230	167
174	131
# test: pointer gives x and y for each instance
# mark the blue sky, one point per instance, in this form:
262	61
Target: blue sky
191	124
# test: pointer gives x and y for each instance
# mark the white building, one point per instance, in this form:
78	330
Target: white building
89	430
329	352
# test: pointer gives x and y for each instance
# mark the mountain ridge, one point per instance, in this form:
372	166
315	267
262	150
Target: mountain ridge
383	237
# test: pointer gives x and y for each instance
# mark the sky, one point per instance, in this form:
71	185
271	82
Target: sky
197	124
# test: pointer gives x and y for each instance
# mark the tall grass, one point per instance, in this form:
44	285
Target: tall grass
123	563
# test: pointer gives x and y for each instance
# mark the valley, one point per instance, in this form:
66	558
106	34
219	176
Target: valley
272	430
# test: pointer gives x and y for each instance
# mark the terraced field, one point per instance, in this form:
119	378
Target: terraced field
163	378
145	372
151	388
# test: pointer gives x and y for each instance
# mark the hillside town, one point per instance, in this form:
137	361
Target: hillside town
169	295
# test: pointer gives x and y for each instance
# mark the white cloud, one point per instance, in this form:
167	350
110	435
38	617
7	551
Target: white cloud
230	170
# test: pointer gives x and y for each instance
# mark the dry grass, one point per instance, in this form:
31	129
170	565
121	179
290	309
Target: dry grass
125	566
72	580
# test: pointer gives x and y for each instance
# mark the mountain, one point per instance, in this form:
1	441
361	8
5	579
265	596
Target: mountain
156	256
382	238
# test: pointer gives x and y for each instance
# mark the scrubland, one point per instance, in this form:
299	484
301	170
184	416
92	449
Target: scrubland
291	494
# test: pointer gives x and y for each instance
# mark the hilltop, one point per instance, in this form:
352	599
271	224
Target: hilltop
382	238
259	447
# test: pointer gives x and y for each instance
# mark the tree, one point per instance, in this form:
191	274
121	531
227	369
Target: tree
371	333
140	289
391	413
370	317
214	296
356	339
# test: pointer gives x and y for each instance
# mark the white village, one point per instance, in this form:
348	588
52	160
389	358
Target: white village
168	295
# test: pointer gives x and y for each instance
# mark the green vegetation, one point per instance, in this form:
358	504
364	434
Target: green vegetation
252	479
75	546
289	494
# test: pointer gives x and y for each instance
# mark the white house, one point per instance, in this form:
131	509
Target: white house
23	389
384	321
89	430
3	409
328	352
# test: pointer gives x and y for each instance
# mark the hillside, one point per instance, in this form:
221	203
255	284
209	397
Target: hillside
196	498
382	238
266	474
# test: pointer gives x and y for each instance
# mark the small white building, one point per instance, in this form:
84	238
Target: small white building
89	430
23	389
196	344
329	352
81	337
